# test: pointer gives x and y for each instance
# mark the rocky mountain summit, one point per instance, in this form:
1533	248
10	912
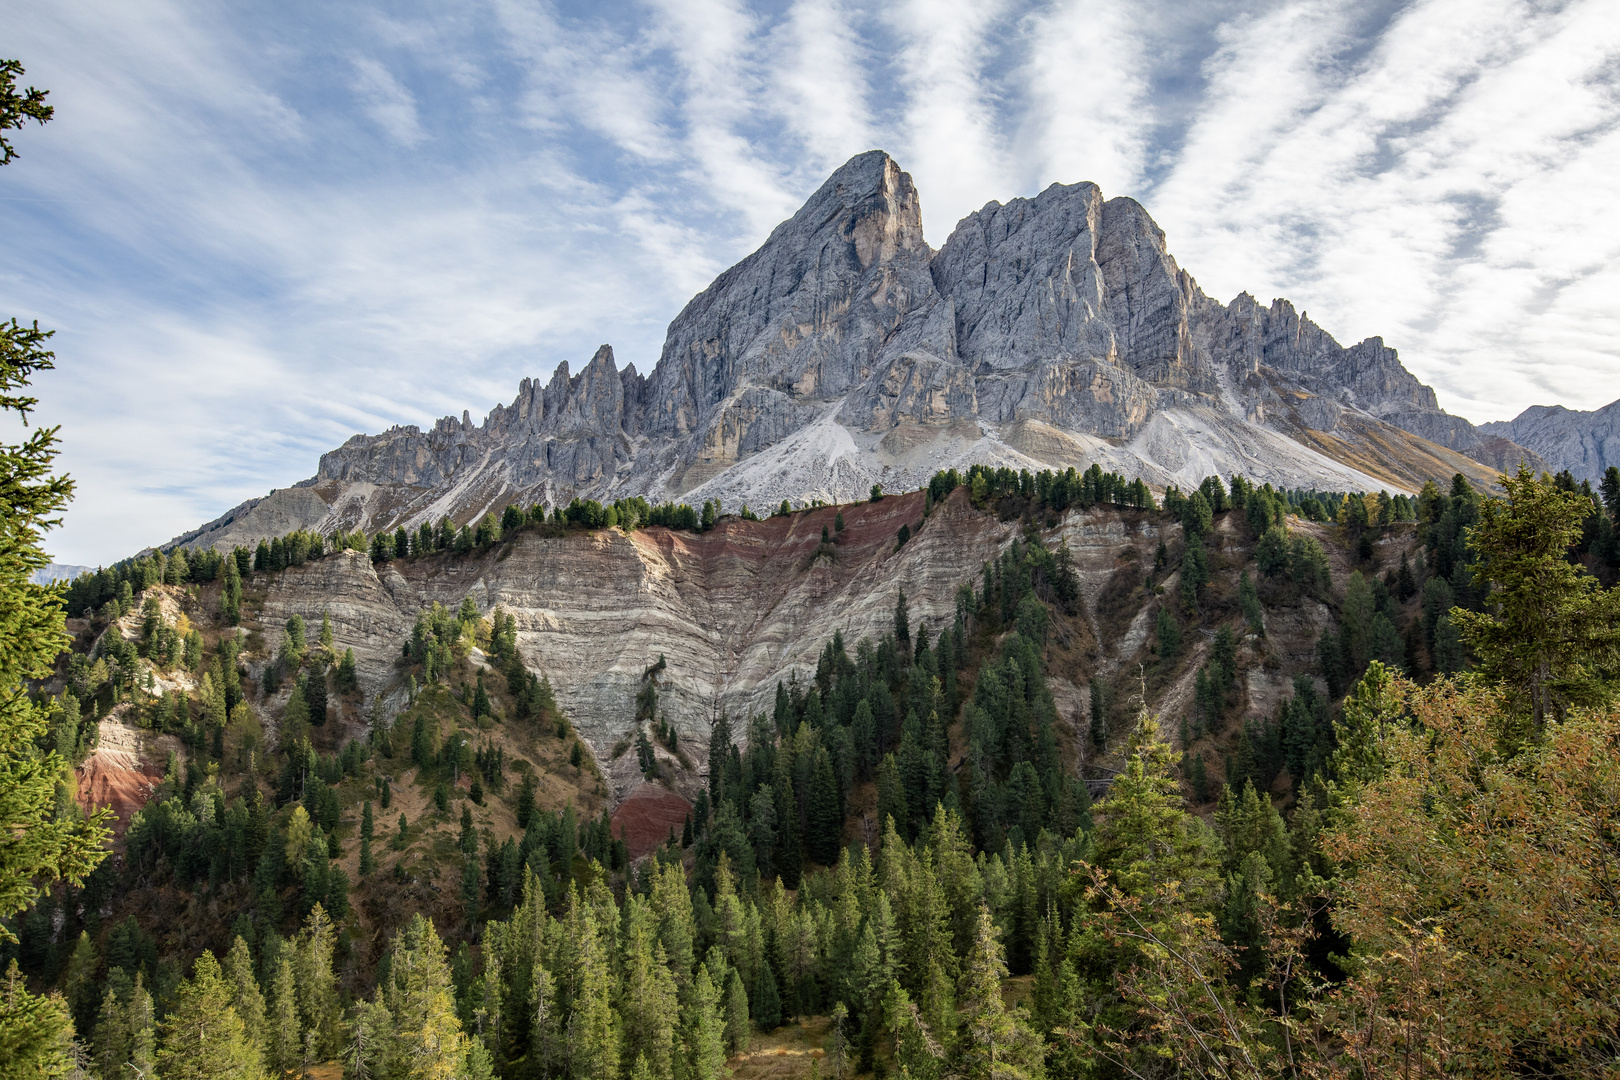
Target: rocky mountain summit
1047	332
1585	443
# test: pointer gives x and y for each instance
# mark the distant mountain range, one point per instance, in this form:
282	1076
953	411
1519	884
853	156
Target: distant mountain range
1048	332
1585	443
59	572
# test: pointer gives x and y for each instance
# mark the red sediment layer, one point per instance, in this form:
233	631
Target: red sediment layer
117	780
643	820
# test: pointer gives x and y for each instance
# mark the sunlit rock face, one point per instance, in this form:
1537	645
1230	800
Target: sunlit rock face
1047	332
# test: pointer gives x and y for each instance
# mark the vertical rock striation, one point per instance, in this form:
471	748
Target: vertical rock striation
1051	331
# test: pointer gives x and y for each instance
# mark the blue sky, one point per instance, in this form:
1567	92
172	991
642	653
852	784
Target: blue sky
259	229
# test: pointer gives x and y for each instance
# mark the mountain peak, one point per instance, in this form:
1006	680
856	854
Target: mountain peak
1048	331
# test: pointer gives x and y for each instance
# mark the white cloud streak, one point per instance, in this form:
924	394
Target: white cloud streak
949	135
258	237
1437	194
387	102
1090	110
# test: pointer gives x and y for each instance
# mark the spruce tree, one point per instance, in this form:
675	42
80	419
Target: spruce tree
80	982
719	750
141	1017
427	1037
824	821
365	1057
469	887
1609	486
246	997
766	1000
593	1026
1144	835
202	1037
1553	636
1099	713
1169	634
40	844
995	1043
649	1004
317	983
737	1029
1249	601
705	1030
35	1031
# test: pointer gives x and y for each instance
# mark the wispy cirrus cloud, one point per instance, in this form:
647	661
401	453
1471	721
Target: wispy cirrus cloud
261	232
389	104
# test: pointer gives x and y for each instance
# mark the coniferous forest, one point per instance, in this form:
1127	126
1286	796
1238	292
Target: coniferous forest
914	865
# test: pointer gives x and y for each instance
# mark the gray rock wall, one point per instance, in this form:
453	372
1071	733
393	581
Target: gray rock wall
844	352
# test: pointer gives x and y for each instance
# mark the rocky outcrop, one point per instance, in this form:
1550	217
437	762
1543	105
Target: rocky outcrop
732	610
1585	443
1050	331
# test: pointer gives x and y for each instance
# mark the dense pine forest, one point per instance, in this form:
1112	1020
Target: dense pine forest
913	865
903	859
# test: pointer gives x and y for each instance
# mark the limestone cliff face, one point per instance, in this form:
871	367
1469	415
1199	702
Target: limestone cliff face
1050	331
732	610
736	609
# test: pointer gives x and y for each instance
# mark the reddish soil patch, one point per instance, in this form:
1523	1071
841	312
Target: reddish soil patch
644	819
117	779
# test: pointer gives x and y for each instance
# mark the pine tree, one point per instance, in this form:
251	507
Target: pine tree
736	1014
202	1037
246	997
1554	633
427	1039
705	1031
902	621
995	1043
40	844
825	820
284	1035
593	1045
317	983
649	1005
